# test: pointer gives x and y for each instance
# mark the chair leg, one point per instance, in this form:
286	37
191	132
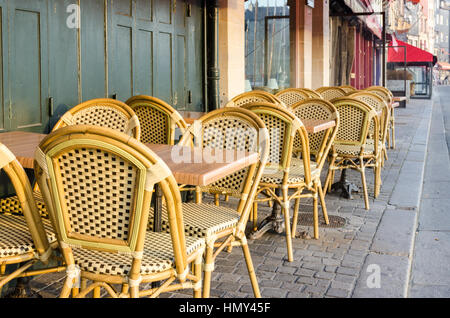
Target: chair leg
393	133
207	271
363	179
251	270
315	216
322	203
66	289
134	292
287	223
198	274
216	199
295	217
255	215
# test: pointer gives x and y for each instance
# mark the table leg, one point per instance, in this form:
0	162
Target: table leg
345	186
274	222
157	217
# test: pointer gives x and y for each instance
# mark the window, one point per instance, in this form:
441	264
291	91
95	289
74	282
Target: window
267	64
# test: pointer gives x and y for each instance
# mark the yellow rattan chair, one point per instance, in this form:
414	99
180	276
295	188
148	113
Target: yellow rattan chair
379	105
350	148
319	145
223	227
25	237
388	98
97	183
331	92
290	96
104	112
282	171
311	93
254	96
158	119
348	89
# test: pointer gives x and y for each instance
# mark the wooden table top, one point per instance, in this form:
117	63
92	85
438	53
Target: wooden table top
189	117
316	125
202	167
196	166
23	145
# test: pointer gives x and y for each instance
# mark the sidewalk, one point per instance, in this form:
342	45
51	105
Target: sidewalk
341	262
430	273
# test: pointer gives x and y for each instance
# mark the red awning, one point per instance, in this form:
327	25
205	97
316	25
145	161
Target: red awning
413	54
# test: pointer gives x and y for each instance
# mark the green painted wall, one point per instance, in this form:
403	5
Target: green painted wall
122	48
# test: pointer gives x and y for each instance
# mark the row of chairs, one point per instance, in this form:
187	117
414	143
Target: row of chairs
81	210
358	141
151	120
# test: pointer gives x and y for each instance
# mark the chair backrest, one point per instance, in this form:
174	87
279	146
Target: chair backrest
382	92
377	103
104	112
290	96
158	119
319	142
312	93
283	126
348	89
329	93
97	183
19	179
254	96
355	119
233	128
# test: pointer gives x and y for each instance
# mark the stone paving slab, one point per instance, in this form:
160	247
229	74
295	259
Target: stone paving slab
336	264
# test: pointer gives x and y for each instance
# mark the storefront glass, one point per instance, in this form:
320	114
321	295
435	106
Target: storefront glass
267	56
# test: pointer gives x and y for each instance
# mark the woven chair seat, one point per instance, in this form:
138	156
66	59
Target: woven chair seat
296	173
355	150
11	205
158	256
201	220
15	237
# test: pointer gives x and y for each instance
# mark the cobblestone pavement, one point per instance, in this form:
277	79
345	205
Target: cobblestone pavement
335	265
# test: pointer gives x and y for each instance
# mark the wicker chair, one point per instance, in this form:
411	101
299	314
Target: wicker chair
157	118
290	96
104	112
25	238
101	215
348	89
108	113
329	93
312	93
222	227
254	96
350	144
387	96
319	145
282	171
379	105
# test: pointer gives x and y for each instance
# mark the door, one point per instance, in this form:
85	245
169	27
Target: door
155	49
28	65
